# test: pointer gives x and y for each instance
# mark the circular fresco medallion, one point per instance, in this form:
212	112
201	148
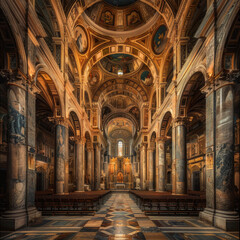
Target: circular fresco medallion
159	39
93	78
81	39
146	78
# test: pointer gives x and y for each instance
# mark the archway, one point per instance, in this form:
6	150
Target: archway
167	167
191	125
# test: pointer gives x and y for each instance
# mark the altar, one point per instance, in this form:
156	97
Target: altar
120	173
120	185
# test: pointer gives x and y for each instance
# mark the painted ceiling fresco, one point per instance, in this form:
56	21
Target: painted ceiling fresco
115	62
160	39
124	18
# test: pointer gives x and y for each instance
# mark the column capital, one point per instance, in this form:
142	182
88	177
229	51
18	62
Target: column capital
208	88
227	78
59	121
80	140
161	140
180	121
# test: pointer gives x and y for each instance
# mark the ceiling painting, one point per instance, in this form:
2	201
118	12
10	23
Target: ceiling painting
107	18
93	78
128	17
81	39
120	62
133	18
159	39
146	77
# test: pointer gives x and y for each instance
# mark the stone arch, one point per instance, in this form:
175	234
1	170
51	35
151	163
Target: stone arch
123	49
122	115
166	124
50	92
52	84
231	55
187	92
166	8
224	33
75	124
113	85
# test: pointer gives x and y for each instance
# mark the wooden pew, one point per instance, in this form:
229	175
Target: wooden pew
73	203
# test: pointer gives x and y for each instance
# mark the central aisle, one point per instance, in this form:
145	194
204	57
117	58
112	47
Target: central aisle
120	218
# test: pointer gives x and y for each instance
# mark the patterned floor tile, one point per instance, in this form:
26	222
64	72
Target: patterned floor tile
120	218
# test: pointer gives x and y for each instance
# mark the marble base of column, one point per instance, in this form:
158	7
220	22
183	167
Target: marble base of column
226	220
34	215
13	219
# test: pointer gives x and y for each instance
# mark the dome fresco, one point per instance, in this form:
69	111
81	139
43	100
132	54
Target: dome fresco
115	62
120	3
123	18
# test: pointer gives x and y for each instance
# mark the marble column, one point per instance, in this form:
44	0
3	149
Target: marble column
173	160
105	169
181	164
161	166
33	214
61	131
150	169
92	168
66	174
143	166
16	217
80	143
210	154
21	208
97	166
89	166
220	210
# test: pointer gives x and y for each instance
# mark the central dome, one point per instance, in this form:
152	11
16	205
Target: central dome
120	3
119	15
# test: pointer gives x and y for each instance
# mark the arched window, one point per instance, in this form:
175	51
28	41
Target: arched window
120	148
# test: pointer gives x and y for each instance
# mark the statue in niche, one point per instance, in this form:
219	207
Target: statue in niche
138	184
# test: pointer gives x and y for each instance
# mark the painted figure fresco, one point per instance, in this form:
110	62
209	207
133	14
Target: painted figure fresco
17	125
133	18
160	39
93	78
107	18
81	39
146	78
114	62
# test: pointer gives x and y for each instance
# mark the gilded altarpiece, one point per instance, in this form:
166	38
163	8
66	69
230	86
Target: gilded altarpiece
120	173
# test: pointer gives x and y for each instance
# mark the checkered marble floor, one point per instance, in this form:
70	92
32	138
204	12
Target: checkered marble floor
120	218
